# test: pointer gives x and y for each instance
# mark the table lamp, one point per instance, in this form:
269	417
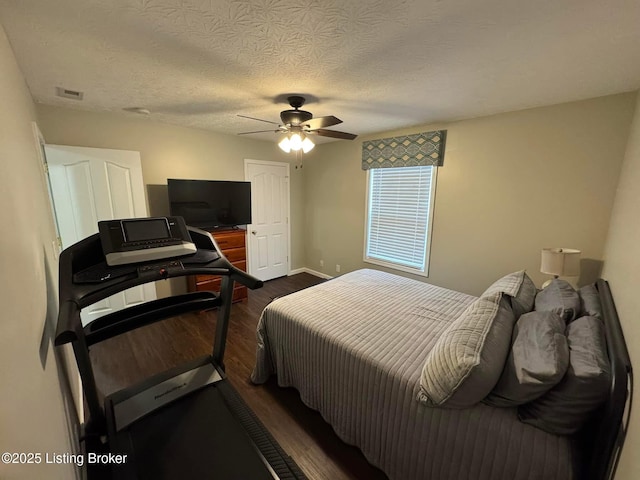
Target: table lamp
560	262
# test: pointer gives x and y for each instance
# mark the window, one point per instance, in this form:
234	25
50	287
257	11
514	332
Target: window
399	214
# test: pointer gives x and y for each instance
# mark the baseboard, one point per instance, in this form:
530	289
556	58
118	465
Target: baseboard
311	272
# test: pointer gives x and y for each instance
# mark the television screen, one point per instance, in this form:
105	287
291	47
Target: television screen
210	204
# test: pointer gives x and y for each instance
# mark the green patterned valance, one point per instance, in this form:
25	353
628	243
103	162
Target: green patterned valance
420	149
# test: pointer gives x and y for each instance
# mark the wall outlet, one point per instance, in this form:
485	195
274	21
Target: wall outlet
322	263
337	267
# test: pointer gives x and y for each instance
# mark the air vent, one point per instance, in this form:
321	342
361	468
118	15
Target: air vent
66	93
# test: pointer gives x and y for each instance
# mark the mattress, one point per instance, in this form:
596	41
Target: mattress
354	348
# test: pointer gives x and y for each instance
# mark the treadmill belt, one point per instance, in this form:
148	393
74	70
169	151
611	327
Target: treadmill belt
196	437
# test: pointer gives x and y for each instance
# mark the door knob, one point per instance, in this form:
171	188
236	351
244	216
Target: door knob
253	232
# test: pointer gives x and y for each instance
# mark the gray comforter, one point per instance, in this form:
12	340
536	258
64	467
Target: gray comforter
354	348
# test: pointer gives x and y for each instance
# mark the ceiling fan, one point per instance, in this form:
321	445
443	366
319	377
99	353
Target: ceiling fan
298	124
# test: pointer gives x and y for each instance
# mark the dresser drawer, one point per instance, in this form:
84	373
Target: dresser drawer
242	265
235	254
239	291
230	239
207	278
207	282
232	244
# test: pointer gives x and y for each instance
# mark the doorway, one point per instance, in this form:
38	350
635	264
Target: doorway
268	246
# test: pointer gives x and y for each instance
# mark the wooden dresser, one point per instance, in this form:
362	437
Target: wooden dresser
232	243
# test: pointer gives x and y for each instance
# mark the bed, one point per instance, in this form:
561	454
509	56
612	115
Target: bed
354	348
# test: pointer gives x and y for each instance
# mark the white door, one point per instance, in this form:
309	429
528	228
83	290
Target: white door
93	184
268	248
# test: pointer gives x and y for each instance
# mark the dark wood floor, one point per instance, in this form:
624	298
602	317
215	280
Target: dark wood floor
302	432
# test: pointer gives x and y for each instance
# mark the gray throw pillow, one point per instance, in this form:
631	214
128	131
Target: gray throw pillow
566	407
590	301
519	287
466	362
538	360
559	297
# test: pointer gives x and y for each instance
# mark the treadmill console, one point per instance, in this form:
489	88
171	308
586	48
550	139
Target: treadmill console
137	240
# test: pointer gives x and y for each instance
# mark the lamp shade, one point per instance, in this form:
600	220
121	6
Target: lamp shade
562	262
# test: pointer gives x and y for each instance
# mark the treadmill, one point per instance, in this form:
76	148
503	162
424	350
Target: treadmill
187	422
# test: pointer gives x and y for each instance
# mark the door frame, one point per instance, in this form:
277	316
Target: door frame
42	157
75	382
248	161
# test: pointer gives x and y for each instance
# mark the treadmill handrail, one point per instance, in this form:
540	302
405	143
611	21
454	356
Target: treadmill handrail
147	313
245	279
88	252
69	316
236	274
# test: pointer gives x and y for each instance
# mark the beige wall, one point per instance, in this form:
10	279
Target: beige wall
622	270
169	151
35	415
511	184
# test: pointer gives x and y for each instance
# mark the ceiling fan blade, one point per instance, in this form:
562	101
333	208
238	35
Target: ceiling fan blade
260	131
259	119
321	122
334	134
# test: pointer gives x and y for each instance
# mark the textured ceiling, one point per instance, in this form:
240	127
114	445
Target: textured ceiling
377	65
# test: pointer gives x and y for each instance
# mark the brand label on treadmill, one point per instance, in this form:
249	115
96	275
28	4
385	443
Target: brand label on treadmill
171	390
137	406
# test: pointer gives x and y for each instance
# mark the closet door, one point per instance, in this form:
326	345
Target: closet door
93	184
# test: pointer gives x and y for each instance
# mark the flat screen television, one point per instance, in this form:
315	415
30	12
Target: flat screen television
210	204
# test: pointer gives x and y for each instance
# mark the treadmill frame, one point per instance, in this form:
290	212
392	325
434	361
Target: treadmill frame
87	259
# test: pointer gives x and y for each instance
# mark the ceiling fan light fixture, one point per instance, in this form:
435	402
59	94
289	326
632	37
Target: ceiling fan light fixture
307	145
285	145
295	141
296	124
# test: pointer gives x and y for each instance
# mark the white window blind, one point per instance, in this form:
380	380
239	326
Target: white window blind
399	207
